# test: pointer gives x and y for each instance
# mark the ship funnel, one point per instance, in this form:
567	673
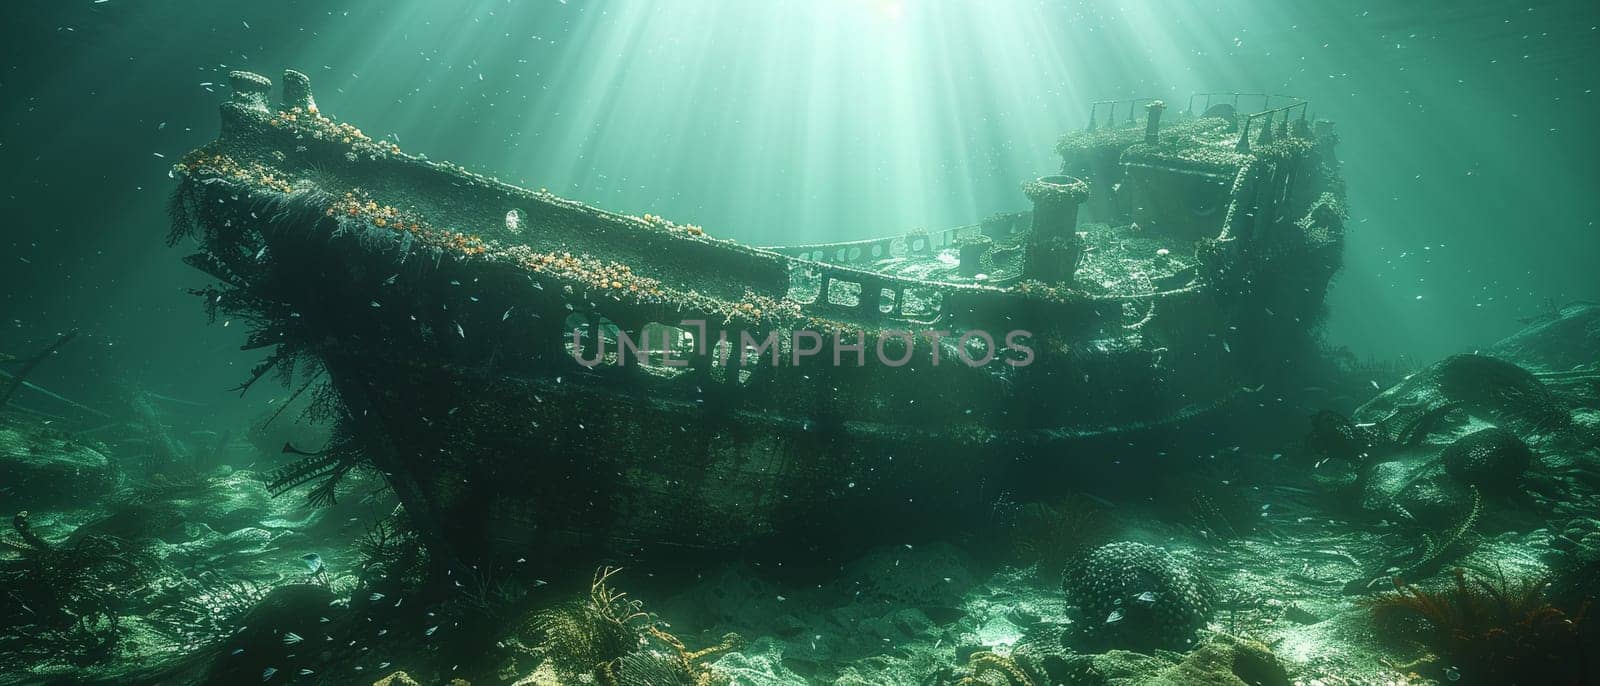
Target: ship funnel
1054	248
297	91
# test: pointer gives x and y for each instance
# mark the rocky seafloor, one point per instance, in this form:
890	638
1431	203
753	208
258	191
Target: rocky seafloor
1444	530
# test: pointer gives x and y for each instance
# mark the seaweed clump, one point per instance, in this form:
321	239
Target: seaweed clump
1051	535
60	600
609	639
1489	629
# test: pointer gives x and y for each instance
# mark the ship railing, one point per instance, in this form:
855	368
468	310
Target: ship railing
1234	98
1109	107
1270	131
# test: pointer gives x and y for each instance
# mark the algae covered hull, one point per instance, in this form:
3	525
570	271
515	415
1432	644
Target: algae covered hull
529	372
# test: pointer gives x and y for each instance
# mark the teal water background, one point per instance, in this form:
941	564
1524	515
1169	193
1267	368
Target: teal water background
1469	140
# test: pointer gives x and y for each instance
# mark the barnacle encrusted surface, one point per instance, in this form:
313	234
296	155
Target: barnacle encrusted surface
1493	459
1137	597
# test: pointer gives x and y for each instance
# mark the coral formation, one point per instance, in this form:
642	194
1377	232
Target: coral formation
985	668
1225	661
1137	596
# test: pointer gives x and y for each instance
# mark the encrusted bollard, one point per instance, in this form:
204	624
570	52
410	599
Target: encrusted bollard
249	90
1054	248
1152	121
247	103
297	91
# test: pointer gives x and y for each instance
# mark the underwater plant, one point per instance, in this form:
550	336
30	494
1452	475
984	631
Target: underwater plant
1052	534
1489	629
610	639
1431	551
60	601
330	464
27	365
205	608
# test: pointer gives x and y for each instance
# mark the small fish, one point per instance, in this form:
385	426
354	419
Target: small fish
266	674
306	672
1114	617
459	331
312	561
375	597
384	665
1146	597
291	638
507	314
237	651
430	631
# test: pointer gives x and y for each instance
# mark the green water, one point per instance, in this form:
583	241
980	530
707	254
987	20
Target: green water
1466	140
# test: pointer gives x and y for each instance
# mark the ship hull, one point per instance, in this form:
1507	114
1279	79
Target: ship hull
462	325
